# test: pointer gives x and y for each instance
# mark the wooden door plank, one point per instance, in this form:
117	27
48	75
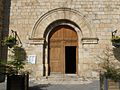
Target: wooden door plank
60	37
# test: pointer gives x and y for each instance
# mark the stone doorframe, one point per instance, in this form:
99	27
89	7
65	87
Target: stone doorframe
54	25
62	16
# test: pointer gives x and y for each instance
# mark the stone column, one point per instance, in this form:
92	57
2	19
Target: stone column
41	66
46	62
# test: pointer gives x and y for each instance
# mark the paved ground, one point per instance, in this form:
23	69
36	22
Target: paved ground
91	86
66	86
2	86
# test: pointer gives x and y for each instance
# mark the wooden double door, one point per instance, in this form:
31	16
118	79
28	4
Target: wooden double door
63	50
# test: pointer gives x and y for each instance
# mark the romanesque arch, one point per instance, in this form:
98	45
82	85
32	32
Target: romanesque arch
87	28
62	16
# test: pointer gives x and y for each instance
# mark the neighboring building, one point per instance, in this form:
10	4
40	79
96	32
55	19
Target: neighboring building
1	23
4	26
64	36
4	21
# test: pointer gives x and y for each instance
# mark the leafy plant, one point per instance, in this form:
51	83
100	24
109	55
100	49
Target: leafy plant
9	41
116	41
112	73
110	67
16	64
12	67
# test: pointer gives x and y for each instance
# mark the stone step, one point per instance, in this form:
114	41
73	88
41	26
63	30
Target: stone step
67	77
63	79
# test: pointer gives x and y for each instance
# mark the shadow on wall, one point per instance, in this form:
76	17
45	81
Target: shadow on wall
116	52
20	53
4	32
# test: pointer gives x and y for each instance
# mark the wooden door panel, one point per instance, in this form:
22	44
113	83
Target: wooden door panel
60	37
57	34
69	34
55	43
54	67
55	59
70	43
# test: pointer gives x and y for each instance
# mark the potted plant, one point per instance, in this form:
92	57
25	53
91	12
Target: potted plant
9	41
109	70
17	76
110	79
116	41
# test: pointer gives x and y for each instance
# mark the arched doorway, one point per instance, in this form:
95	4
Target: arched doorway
63	50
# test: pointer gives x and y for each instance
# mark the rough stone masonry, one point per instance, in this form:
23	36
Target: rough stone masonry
92	20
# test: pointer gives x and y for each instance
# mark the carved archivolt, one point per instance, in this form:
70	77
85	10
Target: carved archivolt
65	16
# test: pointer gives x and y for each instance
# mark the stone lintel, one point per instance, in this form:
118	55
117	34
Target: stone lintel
90	40
36	41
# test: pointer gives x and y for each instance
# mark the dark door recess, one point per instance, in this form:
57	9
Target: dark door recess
70	59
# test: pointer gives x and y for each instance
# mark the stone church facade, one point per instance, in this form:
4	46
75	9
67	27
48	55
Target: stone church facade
64	36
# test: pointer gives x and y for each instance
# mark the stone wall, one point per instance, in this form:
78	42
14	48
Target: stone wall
96	19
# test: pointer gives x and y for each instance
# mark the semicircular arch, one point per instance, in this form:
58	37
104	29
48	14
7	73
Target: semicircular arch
62	22
66	14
